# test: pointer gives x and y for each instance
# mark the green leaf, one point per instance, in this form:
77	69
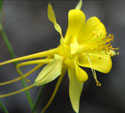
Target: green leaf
1	13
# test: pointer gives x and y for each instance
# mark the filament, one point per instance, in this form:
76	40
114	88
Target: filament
94	73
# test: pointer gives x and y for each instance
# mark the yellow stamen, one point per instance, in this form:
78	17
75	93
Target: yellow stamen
94	73
16	92
36	55
117	53
55	91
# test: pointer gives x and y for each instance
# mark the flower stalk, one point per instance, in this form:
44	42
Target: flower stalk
24	84
38	98
12	54
2	106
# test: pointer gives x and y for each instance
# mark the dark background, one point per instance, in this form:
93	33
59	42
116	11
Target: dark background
29	31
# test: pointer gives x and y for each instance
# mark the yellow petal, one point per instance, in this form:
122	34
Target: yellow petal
75	89
93	28
52	18
76	20
81	75
102	63
50	71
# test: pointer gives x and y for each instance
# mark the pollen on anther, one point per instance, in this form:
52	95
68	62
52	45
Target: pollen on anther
98	84
117	53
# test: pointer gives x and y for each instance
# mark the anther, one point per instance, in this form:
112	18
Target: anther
117	53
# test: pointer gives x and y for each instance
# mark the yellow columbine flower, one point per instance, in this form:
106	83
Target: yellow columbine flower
85	44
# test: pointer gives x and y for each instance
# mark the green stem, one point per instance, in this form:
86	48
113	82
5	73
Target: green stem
3	107
40	94
10	49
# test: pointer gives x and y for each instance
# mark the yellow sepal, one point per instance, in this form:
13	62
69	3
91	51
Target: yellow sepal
52	18
79	5
75	89
50	71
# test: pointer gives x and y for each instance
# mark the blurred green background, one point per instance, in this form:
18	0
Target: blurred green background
29	31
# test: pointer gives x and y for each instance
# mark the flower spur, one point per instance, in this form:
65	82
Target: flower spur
85	44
